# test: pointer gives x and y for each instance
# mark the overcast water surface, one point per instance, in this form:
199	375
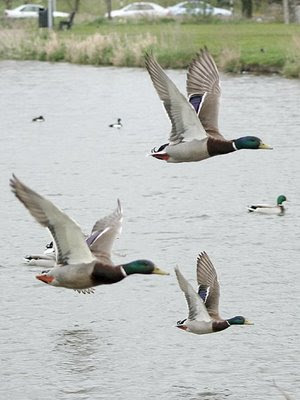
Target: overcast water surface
121	342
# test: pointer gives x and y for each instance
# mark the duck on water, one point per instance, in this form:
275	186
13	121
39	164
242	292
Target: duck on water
277	209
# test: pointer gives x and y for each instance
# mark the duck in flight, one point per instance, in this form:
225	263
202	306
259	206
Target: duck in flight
195	134
204	306
76	266
93	240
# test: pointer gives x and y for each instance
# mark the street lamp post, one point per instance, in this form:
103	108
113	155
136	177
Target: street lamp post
50	14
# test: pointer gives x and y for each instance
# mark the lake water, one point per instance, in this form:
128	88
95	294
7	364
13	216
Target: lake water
121	343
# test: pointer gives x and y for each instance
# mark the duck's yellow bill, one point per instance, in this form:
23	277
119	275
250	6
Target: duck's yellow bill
247	322
264	146
159	271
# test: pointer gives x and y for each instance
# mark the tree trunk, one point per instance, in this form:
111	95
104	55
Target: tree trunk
76	6
286	13
247	8
8	4
108	6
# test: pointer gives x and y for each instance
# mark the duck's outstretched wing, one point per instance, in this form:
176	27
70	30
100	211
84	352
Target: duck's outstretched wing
116	217
104	233
203	88
197	309
185	124
69	241
209	288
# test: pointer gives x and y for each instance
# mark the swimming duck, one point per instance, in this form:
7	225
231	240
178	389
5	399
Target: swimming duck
38	119
93	240
76	266
204	306
117	125
195	134
277	209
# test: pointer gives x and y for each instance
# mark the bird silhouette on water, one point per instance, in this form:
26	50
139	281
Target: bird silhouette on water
117	124
38	119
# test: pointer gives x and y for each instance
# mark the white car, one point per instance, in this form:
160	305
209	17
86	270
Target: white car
30	11
194	7
140	9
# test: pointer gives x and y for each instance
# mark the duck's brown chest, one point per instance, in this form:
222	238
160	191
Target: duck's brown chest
106	274
216	147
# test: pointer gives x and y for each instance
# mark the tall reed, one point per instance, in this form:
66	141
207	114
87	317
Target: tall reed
96	49
173	50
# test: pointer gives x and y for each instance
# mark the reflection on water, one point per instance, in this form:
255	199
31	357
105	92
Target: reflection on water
191	393
120	343
77	347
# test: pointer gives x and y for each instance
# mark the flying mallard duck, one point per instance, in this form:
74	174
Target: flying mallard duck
269	209
76	267
204	306
195	134
94	240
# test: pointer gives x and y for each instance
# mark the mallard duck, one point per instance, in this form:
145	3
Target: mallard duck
76	266
38	119
195	134
204	306
93	240
277	209
117	124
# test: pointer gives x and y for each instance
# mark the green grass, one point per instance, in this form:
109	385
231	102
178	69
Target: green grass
236	45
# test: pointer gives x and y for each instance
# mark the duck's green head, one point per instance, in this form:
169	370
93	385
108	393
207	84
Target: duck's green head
143	267
250	142
239	320
281	199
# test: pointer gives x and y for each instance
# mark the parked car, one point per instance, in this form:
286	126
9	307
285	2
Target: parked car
140	9
194	7
30	11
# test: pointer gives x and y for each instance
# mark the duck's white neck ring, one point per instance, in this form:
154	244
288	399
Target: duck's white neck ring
234	146
123	271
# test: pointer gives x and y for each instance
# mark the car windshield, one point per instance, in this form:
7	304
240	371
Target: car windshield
145	7
196	4
30	8
135	7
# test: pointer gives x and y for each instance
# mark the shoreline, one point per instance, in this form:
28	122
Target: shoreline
253	48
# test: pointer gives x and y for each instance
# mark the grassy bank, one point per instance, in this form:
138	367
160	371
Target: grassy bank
256	47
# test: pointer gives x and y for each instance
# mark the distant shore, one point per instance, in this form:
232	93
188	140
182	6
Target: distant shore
236	46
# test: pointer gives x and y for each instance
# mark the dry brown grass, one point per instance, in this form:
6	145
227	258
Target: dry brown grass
230	60
292	66
95	49
174	49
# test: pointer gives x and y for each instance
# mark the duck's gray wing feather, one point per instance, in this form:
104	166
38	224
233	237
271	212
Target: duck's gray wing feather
197	309
70	244
203	88
104	233
116	217
209	288
185	123
102	245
